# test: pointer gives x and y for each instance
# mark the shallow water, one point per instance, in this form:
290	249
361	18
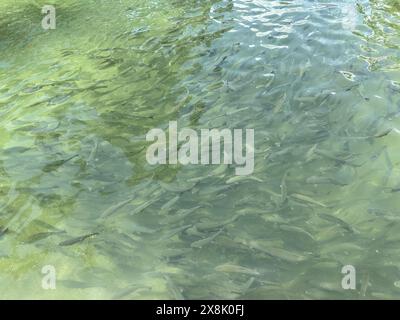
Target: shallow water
318	81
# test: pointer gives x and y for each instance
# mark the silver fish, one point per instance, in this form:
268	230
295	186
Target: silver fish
201	243
73	241
179	215
231	268
115	208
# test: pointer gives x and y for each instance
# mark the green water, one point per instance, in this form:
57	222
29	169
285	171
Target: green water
318	81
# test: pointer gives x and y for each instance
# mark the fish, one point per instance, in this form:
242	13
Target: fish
279	105
336	220
178	189
218	170
46	226
218	67
334	158
365	283
340	248
212	191
208	226
324	180
375	136
127	240
310	153
141	229
173	289
133	290
3	231
236	179
14	150
174	253
231	268
319	180
283	187
93	153
383	134
76	240
193	231
143	206
325	286
179	215
201	243
247	285
389	166
303	68
42	235
115	208
56	164
304	198
175	231
284	255
273	193
169	204
275	252
198	110
387	215
295	229
230	113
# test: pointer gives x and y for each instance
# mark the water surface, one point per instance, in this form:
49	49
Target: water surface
318	81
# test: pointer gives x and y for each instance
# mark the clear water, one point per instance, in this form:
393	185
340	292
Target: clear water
319	81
